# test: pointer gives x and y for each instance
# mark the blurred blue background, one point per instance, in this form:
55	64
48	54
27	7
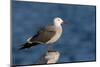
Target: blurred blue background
77	43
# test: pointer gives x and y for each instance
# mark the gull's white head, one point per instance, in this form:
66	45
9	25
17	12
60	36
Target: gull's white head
58	21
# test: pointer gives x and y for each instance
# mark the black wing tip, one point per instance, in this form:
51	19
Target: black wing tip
24	46
21	48
27	45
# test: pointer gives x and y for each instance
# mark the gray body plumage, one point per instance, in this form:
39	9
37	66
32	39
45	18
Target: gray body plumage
47	35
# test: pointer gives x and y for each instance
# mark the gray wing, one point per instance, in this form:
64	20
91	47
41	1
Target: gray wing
44	35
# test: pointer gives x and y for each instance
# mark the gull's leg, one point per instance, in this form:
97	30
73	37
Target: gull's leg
50	48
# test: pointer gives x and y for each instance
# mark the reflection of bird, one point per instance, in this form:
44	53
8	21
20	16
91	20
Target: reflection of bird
52	57
46	35
49	57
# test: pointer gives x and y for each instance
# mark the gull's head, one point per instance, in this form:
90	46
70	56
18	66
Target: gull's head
58	21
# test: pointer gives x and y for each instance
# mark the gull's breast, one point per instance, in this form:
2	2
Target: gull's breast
56	36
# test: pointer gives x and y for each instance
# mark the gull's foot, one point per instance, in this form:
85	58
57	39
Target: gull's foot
50	49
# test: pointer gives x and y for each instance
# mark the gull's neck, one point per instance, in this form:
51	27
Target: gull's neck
57	24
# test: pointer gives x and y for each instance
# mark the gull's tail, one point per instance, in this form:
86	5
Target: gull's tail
27	45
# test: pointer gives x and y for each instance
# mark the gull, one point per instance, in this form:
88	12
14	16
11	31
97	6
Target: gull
47	35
